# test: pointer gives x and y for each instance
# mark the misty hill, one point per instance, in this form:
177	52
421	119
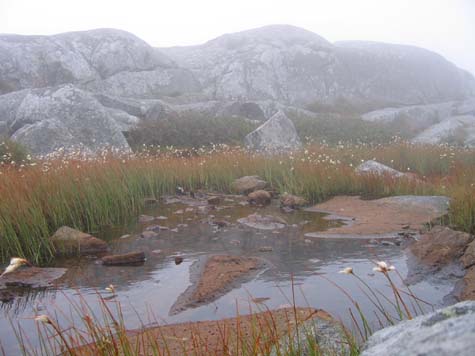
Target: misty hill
49	84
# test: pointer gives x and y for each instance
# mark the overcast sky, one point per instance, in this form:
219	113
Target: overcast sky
444	26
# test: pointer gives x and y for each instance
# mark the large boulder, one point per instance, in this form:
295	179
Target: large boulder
295	66
46	120
277	133
447	331
74	57
150	84
69	241
459	130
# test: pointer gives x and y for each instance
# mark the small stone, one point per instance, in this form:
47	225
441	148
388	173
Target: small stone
154	228
179	212
259	197
220	223
265	249
235	242
215	200
161	217
126	236
157	252
148	234
146	218
174	230
124	259
178	260
387	243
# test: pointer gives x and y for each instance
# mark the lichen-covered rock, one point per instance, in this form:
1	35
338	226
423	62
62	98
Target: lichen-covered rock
69	241
376	168
294	66
66	117
447	331
458	130
277	133
248	184
74	57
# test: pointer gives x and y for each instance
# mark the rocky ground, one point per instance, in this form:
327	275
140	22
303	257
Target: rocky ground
380	218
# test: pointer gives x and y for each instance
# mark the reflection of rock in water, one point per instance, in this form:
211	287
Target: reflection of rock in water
16	300
211	277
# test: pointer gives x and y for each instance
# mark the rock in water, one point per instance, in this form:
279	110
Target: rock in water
68	241
441	246
277	133
259	197
132	258
448	331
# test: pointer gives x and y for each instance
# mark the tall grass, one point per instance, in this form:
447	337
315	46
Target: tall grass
85	193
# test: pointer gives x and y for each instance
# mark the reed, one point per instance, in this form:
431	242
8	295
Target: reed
87	192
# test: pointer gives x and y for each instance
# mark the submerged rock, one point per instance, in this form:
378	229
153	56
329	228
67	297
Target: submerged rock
131	258
68	241
259	197
214	276
266	222
277	133
248	184
214	200
448	331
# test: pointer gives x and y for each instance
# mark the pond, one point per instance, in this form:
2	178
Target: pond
147	292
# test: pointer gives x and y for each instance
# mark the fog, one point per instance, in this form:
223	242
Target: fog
444	26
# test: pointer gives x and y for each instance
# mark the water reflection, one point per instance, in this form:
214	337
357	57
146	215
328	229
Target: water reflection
152	288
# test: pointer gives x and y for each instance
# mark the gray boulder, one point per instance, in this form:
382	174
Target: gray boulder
297	67
373	167
74	57
448	331
150	84
67	117
277	133
453	130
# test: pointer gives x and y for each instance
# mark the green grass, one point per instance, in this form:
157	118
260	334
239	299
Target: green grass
87	193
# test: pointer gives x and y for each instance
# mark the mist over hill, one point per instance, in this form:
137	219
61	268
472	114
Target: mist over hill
93	88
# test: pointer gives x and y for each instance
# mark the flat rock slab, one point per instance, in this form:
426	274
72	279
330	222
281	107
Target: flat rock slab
214	276
206	337
385	217
33	277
